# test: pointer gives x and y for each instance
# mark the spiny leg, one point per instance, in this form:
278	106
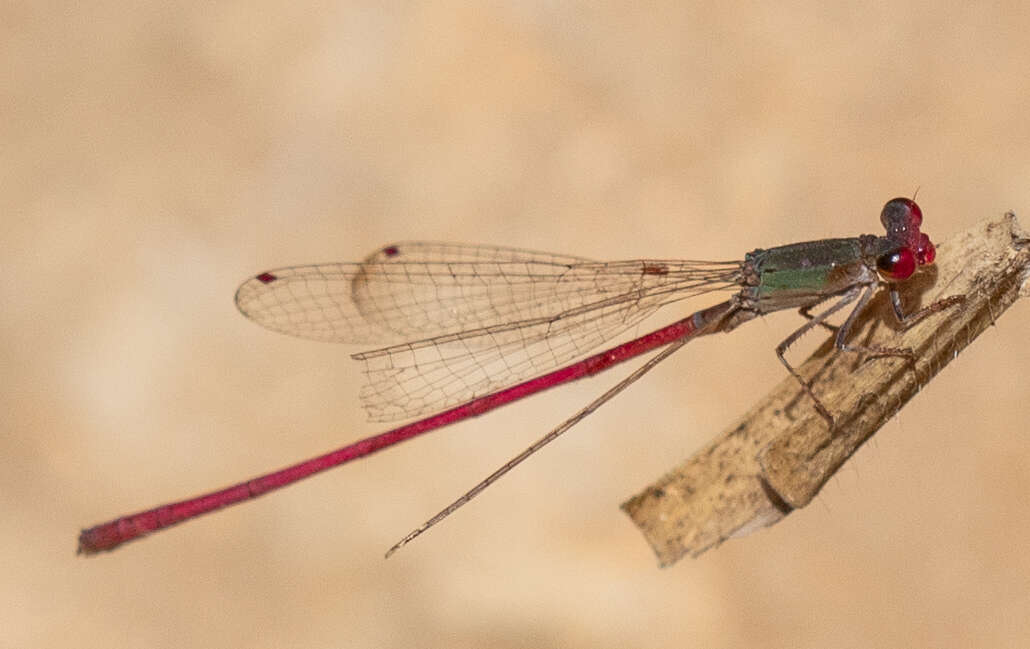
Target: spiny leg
906	321
909	319
847	298
806	312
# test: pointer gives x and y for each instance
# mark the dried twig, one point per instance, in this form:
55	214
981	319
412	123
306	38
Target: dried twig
781	453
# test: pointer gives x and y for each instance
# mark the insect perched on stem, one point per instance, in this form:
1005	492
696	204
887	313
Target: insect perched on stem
470	328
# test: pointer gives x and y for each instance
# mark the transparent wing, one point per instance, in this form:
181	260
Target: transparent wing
406	291
481	318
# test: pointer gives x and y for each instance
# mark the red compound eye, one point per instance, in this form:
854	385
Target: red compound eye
925	252
897	265
901	217
901	213
915	214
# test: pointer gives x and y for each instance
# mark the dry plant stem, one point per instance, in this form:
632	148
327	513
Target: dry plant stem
778	456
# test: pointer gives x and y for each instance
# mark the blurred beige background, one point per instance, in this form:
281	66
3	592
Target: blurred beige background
154	156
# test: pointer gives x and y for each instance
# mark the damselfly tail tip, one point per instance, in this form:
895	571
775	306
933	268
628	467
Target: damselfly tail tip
88	543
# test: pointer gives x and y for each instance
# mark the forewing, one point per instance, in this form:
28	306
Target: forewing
478	318
408	291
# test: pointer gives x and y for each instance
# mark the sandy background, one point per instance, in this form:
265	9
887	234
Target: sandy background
152	157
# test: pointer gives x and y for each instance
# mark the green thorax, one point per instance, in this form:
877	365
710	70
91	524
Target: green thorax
800	274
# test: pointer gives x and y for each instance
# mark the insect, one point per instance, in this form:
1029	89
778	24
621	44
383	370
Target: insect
469	328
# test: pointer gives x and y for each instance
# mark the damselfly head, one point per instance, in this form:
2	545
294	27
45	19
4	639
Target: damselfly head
902	219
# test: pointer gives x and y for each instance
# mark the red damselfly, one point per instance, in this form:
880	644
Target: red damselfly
469	328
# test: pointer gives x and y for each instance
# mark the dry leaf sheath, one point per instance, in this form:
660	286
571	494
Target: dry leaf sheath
778	456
